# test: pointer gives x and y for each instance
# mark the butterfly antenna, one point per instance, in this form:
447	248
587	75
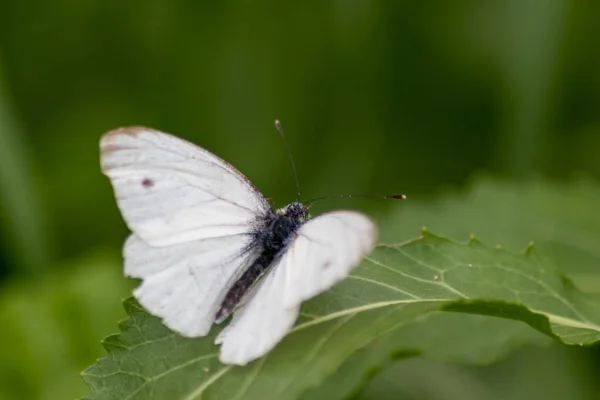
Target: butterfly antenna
287	146
345	196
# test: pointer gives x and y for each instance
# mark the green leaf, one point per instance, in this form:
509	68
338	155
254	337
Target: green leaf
555	372
562	219
462	338
510	213
394	288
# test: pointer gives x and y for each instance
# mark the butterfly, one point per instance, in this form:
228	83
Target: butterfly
207	244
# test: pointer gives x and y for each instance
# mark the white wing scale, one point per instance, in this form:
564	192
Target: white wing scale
324	252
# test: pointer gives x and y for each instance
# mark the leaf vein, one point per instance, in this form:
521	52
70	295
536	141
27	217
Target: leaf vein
374	282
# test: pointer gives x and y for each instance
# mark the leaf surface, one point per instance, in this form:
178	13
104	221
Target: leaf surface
394	288
562	219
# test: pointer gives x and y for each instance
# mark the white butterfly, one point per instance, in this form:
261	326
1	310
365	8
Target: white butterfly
207	243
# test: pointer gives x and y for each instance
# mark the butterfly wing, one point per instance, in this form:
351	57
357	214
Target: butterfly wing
184	284
190	213
324	252
171	191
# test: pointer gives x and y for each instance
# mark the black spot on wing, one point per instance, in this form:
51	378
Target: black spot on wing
147	183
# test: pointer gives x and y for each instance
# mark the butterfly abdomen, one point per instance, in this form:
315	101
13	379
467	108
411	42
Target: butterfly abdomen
243	285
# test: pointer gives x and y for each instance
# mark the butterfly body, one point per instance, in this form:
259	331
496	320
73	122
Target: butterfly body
272	234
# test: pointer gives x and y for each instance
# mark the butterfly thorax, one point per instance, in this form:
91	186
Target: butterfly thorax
270	237
277	229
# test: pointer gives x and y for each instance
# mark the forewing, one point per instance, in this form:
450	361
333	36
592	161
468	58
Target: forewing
171	191
324	252
184	284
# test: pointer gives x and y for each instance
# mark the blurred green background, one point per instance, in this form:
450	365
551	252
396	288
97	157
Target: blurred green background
376	97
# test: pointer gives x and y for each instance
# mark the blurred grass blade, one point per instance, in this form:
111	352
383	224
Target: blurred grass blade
22	227
525	47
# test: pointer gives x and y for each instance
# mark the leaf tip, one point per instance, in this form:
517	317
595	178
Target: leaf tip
473	241
112	342
427	234
130	305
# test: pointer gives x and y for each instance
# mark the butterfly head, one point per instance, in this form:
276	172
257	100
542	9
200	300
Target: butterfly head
295	211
